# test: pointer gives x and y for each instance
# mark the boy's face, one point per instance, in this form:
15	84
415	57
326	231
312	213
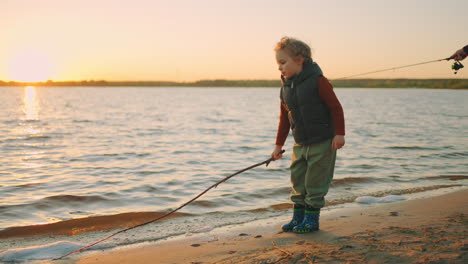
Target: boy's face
287	65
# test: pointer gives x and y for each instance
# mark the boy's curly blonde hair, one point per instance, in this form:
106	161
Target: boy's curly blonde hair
294	47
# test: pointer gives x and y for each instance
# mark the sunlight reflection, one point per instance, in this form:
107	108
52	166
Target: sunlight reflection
30	104
30	129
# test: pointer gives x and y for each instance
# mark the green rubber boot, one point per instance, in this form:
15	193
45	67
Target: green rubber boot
298	217
310	222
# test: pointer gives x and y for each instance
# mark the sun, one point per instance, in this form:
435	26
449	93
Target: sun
30	66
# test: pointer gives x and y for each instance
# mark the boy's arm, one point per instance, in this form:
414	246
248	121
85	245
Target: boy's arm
328	96
283	126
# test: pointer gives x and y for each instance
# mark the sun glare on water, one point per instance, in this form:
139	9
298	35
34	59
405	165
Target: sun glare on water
30	66
30	104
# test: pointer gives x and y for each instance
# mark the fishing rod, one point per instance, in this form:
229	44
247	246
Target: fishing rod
267	162
456	66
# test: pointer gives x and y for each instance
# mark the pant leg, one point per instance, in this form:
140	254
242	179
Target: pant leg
298	171
319	175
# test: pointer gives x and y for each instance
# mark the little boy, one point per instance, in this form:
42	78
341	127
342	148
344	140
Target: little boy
310	108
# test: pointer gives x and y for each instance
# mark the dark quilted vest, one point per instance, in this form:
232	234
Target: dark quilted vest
308	115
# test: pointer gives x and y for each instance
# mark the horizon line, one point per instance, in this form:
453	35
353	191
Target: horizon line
342	83
209	80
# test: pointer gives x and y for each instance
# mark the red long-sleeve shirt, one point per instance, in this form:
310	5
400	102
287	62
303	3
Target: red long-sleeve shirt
328	96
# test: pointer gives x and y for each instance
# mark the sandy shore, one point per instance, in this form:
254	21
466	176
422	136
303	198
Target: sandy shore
431	230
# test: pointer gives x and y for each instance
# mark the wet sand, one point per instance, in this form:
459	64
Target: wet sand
430	230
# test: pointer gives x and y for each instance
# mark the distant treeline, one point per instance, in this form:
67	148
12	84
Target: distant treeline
403	83
359	83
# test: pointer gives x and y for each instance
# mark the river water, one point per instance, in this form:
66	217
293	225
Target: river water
77	152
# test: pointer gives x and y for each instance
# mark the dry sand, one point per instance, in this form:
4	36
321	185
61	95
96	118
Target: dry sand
430	230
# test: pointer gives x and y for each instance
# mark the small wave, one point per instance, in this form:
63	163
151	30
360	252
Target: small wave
248	148
220	120
110	154
11	121
260	194
175	182
453	115
454	155
35	137
446	177
154	172
32	120
13	139
149	132
364	166
354	180
447	155
147	189
392	192
417	189
281	206
352	198
86	224
232	120
28	185
176	152
101	156
19	147
412	148
74	198
79	213
278	169
29	137
194	162
208	131
205	203
53	201
43	252
279	191
144	173
384	199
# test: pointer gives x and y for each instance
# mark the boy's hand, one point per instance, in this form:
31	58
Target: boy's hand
276	154
338	142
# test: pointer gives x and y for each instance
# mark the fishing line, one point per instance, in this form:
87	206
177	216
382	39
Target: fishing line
171	212
456	66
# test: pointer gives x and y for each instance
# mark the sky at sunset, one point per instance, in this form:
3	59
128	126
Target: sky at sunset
215	39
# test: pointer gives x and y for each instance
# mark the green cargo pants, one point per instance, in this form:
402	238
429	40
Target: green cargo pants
312	170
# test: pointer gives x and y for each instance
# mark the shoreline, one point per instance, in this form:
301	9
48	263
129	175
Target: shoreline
406	231
208	236
114	222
